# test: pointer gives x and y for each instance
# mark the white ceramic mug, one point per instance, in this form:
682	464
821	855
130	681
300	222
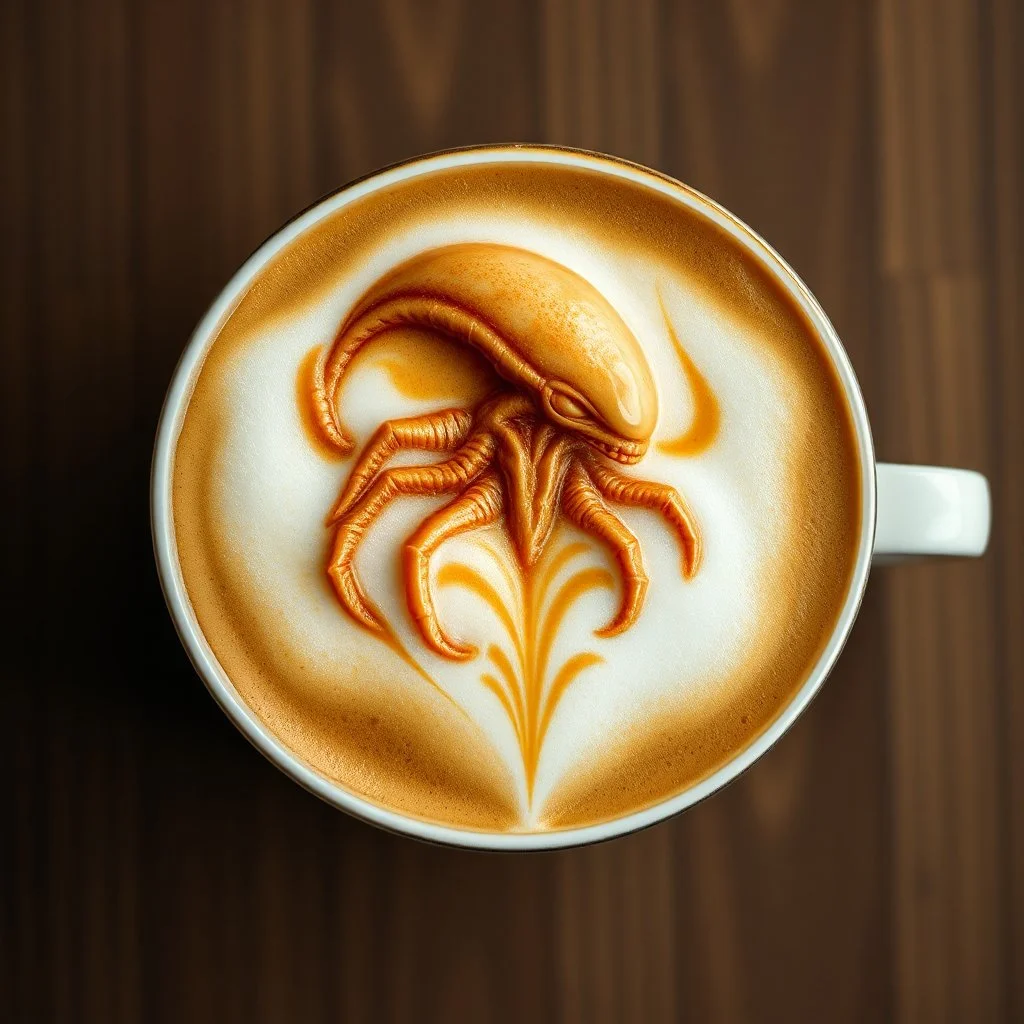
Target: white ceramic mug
907	511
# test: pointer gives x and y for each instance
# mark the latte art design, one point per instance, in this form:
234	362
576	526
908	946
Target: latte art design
511	495
578	401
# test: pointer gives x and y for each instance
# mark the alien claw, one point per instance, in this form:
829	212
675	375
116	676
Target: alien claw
352	598
422	609
635	592
445	646
692	556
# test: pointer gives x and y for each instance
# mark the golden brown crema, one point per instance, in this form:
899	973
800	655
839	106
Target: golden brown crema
516	496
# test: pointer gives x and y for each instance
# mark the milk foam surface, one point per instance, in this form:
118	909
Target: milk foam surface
699	643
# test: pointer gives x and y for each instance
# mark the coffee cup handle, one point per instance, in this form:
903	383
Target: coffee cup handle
930	510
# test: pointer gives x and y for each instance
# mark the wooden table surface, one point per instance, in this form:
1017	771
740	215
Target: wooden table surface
155	867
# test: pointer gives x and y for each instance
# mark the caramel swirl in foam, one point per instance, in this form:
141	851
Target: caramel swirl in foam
706	417
531	616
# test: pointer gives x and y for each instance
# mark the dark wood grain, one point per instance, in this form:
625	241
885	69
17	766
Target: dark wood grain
936	295
1004	87
153	867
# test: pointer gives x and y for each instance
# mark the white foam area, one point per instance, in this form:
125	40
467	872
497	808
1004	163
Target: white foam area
272	490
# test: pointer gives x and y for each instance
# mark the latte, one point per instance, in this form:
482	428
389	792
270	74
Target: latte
516	496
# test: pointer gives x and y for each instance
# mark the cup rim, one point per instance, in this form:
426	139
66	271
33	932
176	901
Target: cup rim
216	679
